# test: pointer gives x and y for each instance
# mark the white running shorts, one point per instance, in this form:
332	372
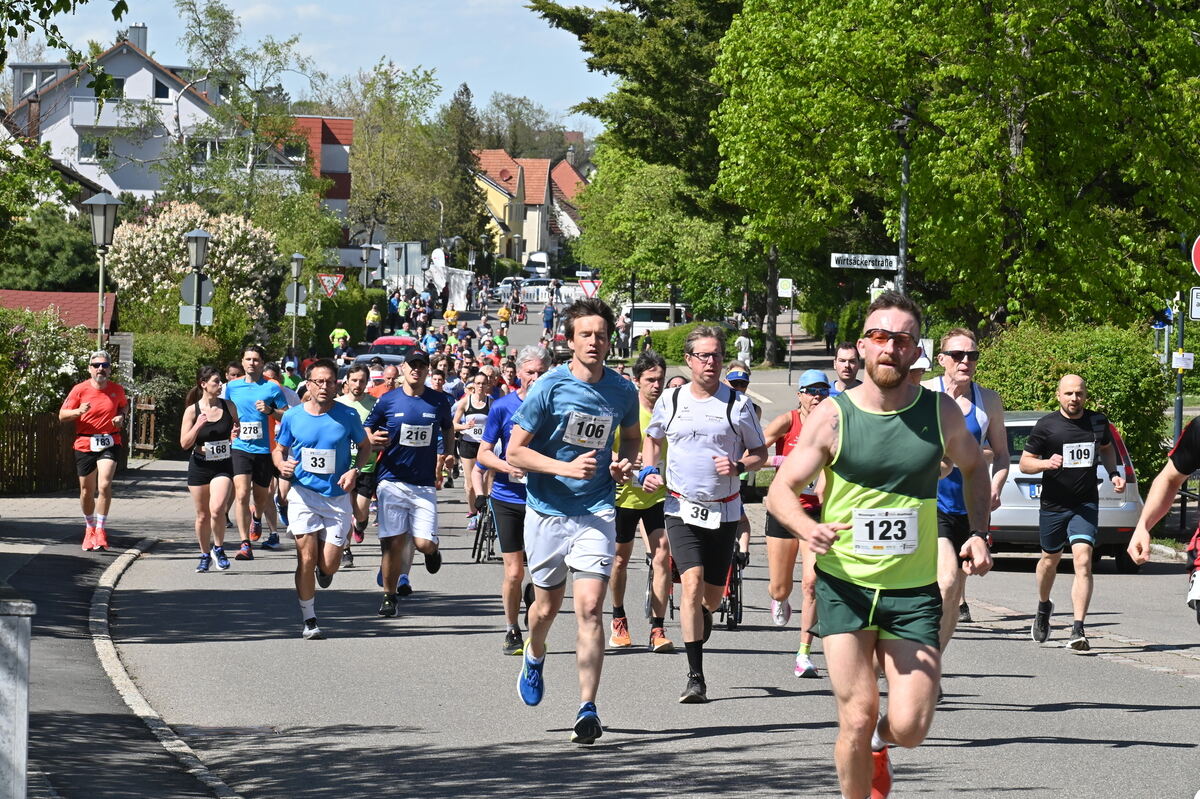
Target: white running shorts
558	545
310	512
405	508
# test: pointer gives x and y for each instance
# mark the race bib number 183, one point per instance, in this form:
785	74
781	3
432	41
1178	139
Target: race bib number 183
885	531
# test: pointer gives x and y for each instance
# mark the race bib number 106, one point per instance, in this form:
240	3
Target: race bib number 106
585	430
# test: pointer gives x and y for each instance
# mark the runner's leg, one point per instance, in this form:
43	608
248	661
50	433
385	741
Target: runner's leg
106	469
781	563
851	661
951	582
1081	588
913	671
219	492
203	524
589	637
241	509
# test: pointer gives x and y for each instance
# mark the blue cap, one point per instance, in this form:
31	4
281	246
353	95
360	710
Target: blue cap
813	377
736	375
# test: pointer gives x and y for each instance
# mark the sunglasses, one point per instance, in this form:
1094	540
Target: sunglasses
880	336
100	365
958	355
815	392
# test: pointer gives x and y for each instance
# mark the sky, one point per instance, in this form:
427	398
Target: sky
491	45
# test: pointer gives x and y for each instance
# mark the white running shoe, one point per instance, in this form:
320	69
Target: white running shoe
781	612
805	669
1193	598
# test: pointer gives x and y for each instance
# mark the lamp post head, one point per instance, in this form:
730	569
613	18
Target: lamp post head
103	208
297	265
366	252
197	245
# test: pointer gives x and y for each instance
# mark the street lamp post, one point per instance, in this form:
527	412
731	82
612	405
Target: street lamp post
297	268
197	246
103	208
365	257
900	126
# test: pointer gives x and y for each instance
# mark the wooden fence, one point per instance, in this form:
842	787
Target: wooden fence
35	454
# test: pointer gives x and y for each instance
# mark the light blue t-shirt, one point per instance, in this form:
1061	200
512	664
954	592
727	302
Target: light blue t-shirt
568	417
321	444
244	395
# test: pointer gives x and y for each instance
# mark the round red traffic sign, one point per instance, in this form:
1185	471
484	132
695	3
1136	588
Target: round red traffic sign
1196	255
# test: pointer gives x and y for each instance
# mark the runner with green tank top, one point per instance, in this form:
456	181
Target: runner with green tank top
880	446
355	395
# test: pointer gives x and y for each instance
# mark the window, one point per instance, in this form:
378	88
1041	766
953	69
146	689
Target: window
294	151
224	91
92	149
118	87
28	80
48	76
199	152
161	92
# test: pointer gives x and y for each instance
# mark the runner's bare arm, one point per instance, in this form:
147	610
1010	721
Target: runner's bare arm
1158	502
814	449
997	440
1108	457
631	439
286	466
777	427
488	457
190	427
964	450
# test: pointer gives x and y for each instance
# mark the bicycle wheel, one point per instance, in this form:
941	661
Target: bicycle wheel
649	587
477	546
490	537
735	599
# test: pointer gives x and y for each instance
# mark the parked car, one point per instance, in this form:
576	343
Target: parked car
390	349
653	316
559	350
1015	523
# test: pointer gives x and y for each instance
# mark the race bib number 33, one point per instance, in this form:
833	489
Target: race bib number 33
585	430
317	461
885	531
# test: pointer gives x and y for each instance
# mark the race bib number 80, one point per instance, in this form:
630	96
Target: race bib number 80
885	531
585	430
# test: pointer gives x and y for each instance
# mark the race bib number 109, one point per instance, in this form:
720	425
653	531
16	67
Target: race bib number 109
885	531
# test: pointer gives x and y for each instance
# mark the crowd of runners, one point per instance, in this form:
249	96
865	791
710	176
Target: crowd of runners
884	489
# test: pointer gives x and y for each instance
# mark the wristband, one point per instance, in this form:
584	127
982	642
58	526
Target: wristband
645	472
739	467
1113	475
977	534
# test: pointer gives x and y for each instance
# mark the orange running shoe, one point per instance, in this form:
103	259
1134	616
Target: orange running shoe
620	633
99	539
88	533
659	641
881	780
255	529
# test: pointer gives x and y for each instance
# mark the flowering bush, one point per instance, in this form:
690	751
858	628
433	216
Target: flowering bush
148	261
41	359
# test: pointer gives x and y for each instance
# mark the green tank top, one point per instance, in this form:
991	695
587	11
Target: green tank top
883	480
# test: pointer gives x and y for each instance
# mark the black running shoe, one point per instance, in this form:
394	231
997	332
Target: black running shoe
324	580
388	608
587	725
696	692
964	614
1041	622
513	643
433	562
311	631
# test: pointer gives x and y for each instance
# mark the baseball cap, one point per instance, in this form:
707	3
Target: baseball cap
812	377
417	357
736	375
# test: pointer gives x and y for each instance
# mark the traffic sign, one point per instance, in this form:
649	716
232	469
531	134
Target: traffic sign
188	289
330	283
296	288
293	310
785	287
590	287
1196	255
844	260
187	315
584	273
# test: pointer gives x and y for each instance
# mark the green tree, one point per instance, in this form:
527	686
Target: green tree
465	202
1049	176
48	251
522	128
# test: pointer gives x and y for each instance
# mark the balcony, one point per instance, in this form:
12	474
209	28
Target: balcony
116	113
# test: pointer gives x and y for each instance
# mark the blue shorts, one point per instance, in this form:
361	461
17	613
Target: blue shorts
1077	525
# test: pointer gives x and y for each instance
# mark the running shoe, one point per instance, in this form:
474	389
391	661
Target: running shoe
433	562
403	586
311	631
1193	597
472	521
281	509
221	558
204	564
781	612
964	614
447	481
324	580
388	607
99	539
1041	622
245	551
695	692
707	614
1078	641
805	669
881	779
272	542
620	633
360	529
347	558
379	577
255	529
514	644
659	642
587	725
530	686
88	534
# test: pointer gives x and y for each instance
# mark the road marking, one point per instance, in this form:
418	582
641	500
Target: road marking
759	397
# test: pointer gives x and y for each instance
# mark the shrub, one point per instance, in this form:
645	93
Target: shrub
850	320
348	307
165	368
41	359
1125	381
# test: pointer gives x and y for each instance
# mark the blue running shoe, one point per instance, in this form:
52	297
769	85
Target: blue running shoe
272	542
281	509
587	725
529	682
205	562
221	558
379	577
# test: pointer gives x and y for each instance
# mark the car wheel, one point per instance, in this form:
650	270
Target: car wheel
1125	564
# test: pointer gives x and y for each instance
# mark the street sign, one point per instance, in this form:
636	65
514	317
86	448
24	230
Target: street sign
187	315
1196	255
291	309
293	289
843	260
1182	360
188	290
785	287
584	273
1194	304
590	287
330	283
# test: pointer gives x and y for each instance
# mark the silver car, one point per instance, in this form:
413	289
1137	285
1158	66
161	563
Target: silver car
1015	522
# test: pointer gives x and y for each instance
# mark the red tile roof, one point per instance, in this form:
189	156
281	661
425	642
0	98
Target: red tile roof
75	308
501	168
537	177
567	179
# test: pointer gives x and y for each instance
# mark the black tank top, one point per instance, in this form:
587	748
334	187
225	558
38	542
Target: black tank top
219	430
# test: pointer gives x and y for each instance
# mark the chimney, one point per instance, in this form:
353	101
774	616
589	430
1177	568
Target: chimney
137	35
571	154
33	124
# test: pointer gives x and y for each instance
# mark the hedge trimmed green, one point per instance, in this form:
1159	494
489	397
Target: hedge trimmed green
1124	379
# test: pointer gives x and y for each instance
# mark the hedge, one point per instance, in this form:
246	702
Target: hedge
1125	381
348	307
165	367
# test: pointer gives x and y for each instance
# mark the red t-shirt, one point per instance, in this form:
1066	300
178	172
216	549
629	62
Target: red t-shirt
105	403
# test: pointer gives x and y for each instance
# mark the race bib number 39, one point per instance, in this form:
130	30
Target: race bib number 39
1079	456
585	430
700	514
317	461
415	435
250	431
101	442
216	450
885	531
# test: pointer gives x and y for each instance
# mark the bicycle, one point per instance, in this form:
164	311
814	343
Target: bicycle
731	606
483	550
650	588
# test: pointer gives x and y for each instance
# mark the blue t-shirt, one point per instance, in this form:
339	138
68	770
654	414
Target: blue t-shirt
321	444
496	432
414	425
547	315
430	342
568	417
244	395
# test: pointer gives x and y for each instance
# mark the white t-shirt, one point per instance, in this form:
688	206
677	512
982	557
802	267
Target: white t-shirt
745	348
700	430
